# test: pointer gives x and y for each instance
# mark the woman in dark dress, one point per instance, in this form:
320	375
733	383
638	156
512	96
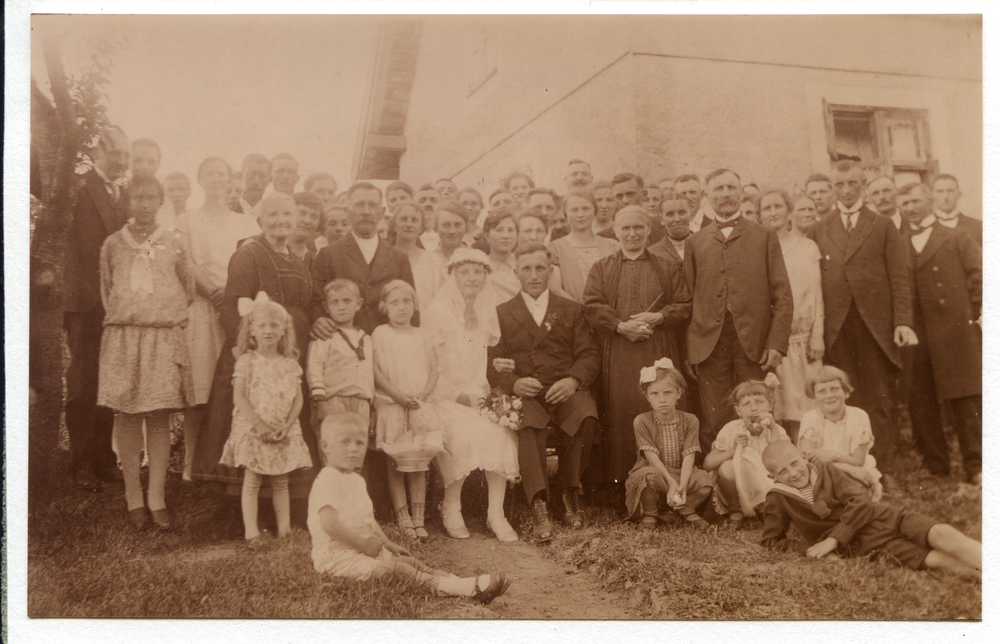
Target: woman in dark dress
262	263
637	304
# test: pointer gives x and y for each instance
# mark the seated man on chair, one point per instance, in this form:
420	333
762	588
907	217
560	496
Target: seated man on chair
547	355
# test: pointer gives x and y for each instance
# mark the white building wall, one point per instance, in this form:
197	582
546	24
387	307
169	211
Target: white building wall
678	105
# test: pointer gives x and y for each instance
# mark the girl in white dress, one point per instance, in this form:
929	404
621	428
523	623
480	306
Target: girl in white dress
213	232
407	427
838	434
267	396
462	323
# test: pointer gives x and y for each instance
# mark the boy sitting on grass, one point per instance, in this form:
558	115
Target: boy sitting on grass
836	516
346	540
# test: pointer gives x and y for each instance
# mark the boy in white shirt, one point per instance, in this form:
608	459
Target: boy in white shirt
346	540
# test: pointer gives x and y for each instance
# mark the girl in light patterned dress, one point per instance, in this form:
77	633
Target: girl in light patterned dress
266	439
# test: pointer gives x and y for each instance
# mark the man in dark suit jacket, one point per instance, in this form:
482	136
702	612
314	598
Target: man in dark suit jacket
362	257
676	217
548	356
101	208
742	313
867	305
948	360
946	195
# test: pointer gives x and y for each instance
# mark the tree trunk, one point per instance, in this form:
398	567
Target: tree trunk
52	220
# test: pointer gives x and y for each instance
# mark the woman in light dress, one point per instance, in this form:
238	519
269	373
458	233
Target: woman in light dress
805	345
213	231
428	266
462	323
500	233
577	251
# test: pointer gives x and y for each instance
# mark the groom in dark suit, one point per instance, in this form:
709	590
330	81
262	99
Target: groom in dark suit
547	355
100	209
867	301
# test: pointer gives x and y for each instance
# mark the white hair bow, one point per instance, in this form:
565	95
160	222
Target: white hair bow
245	305
648	374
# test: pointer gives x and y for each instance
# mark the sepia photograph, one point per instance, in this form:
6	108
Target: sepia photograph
502	316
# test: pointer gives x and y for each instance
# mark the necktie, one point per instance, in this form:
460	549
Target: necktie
850	224
115	192
360	349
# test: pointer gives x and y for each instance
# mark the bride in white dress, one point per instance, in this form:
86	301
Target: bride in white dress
462	323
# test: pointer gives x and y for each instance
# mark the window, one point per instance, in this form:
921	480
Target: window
483	61
886	141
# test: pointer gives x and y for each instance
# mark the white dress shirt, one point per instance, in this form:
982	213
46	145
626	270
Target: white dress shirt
247	208
726	232
897	219
696	222
538	307
949	219
430	240
113	190
919	239
367	246
849	214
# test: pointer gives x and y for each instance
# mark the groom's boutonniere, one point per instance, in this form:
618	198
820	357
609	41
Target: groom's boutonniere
550	319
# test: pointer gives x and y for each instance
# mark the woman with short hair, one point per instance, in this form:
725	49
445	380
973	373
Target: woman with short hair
805	344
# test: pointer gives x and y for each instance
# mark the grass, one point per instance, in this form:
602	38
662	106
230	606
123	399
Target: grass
85	559
677	572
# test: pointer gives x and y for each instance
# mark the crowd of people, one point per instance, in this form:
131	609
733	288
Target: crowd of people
688	346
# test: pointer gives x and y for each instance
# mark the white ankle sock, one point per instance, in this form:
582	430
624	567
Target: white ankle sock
457	586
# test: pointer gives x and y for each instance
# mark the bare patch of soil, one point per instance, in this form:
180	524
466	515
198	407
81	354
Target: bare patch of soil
541	588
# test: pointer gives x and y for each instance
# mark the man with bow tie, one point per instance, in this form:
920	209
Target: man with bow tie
101	208
946	195
742	314
547	355
948	361
867	304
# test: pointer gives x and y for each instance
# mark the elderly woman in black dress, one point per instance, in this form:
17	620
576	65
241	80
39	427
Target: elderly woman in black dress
262	263
637	304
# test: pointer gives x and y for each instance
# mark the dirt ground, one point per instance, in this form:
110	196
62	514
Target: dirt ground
541	588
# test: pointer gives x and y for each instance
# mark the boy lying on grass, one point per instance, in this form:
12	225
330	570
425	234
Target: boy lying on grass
836	516
346	540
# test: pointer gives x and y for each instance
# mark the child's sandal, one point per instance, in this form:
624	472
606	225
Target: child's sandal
647	522
405	523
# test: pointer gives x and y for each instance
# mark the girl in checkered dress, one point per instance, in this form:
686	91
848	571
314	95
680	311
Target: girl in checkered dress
664	477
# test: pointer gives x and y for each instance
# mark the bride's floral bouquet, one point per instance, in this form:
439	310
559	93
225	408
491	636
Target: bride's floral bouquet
503	409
